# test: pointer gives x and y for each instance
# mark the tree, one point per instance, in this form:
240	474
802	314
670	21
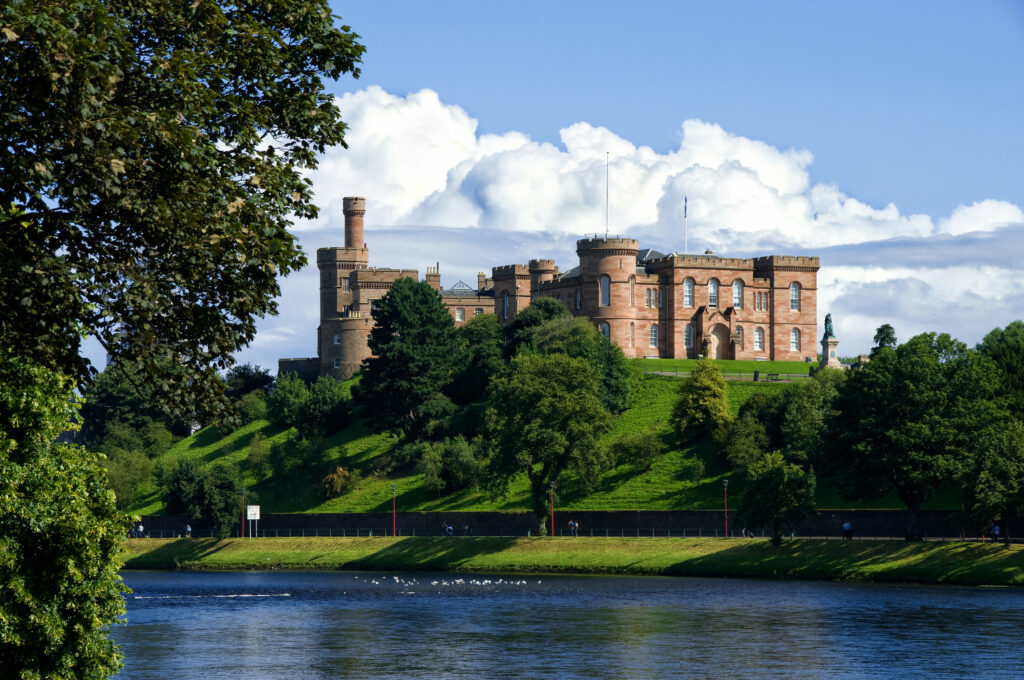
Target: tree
154	156
415	355
702	407
545	418
638	448
993	480
778	495
127	471
744	442
537	313
911	418
211	495
60	535
325	409
483	358
245	378
285	402
1006	348
259	457
885	336
118	396
577	337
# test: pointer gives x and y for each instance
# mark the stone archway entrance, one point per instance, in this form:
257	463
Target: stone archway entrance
718	342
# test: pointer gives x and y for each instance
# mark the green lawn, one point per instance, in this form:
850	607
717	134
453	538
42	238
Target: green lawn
729	368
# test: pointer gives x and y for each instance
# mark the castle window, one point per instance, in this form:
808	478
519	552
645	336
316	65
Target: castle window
659	298
688	293
794	340
737	294
713	293
577	298
647	297
337	339
632	282
606	291
344	283
606	330
632	329
739	337
460	314
654	335
504	313
758	340
794	296
688	336
478	311
337	363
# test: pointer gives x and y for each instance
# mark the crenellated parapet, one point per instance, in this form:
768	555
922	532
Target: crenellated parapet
509	271
787	263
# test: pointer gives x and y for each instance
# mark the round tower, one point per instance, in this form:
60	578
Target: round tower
354	209
541	271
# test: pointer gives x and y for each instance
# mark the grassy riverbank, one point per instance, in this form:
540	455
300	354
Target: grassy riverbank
951	563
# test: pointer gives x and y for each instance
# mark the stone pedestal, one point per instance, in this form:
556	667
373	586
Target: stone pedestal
829	353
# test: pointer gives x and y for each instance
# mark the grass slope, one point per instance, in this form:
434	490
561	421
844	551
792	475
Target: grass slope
954	563
667	485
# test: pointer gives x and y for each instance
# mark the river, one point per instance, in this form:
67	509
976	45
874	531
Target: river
311	625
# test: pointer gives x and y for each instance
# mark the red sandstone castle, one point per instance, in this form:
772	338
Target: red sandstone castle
649	304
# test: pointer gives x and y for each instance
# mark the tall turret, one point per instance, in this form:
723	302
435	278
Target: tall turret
354	208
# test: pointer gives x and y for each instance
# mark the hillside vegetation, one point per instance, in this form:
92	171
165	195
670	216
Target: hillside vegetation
669	484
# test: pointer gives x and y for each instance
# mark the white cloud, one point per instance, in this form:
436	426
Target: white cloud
981	216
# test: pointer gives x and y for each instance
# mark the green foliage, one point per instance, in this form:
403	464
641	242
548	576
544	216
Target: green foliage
259	457
127	472
638	449
155	155
212	495
577	337
119	395
253	406
483	344
245	378
450	465
702	408
1006	348
337	482
540	311
993	481
744	442
778	495
416	352
60	535
286	401
885	336
545	417
325	409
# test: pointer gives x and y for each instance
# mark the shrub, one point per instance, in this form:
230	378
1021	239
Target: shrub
450	465
252	406
337	482
286	401
639	449
259	456
324	410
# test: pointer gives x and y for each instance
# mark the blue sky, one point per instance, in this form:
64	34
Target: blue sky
887	138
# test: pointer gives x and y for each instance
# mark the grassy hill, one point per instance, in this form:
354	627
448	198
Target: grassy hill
668	485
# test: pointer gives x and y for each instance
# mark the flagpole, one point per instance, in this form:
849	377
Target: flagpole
606	160
686	230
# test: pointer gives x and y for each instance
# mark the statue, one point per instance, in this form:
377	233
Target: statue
829	331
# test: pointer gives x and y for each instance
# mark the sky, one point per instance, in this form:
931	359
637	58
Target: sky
885	138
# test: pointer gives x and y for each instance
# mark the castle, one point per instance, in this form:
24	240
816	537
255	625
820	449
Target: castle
648	303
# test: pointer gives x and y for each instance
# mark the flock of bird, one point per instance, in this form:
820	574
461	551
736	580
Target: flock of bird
453	582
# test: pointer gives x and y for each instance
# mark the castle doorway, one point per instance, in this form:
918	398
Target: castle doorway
718	342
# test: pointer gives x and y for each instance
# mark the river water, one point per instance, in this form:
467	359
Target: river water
310	625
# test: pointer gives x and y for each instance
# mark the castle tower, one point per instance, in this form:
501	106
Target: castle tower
606	266
541	271
354	208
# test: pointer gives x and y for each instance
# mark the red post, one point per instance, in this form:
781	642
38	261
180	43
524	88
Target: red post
725	490
552	509
244	514
394	513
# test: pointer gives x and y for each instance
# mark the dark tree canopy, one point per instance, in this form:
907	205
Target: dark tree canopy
537	313
482	339
702	408
777	496
152	164
245	378
1006	348
416	352
885	336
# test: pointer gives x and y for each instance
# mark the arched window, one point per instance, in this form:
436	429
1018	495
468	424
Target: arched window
654	335
737	294
505	307
606	291
632	282
688	336
739	336
758	340
337	339
794	340
713	293
460	314
632	328
647	295
794	296
688	293
606	330
577	298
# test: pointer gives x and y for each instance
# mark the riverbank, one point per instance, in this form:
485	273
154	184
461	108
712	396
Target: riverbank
950	563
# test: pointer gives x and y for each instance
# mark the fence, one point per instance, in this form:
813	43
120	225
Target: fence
741	376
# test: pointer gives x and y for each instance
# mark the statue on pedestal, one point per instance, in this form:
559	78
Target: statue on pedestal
829	331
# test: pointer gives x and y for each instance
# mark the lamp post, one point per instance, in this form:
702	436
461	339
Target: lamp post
394	512
552	508
725	491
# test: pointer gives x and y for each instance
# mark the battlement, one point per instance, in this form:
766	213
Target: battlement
700	262
509	270
383	275
598	242
542	265
338	254
778	261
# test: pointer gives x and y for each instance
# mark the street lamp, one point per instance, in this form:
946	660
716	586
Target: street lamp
725	491
394	512
552	508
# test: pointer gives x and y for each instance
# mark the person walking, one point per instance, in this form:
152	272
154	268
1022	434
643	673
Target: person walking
188	531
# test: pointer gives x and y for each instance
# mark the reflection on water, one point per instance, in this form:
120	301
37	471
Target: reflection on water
413	626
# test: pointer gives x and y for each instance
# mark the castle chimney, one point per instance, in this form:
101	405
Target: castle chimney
481	280
354	208
434	276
